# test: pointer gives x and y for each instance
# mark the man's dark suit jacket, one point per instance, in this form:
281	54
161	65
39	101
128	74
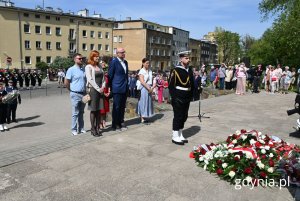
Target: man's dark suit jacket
117	77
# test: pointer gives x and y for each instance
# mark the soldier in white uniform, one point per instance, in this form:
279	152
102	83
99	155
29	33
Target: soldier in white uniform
181	86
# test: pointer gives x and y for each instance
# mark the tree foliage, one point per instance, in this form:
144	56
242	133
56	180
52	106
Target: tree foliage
62	62
43	66
280	43
228	46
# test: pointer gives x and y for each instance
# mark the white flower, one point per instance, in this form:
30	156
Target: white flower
249	155
237	132
244	137
254	134
231	174
206	162
248	179
263	151
271	155
260	165
230	151
259	133
271	169
224	165
205	166
267	147
263	136
224	145
201	158
261	141
234	141
238	156
252	141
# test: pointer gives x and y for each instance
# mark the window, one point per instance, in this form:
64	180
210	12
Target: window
71	20
26	28
47	17
164	53
92	23
71	46
120	39
38	59
92	34
84	47
38	29
99	47
99	24
115	50
57	18
48	30
26	15
27	60
27	44
58	31
58	45
107	48
48	45
84	33
106	25
38	45
48	60
158	52
71	34
37	16
115	39
92	46
99	34
107	35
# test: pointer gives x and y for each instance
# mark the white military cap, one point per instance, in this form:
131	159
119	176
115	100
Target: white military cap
184	53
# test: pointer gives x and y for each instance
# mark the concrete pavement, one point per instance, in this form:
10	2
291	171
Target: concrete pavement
40	159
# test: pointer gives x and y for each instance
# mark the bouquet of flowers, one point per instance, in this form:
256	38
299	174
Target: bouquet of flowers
250	156
10	96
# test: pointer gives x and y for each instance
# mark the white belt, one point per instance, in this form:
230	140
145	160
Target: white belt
183	88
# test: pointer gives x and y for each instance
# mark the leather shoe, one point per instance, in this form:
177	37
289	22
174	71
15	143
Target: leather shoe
178	143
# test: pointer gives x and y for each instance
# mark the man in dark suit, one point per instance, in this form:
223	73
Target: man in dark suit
118	78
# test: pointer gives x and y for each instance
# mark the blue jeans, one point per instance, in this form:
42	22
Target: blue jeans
77	111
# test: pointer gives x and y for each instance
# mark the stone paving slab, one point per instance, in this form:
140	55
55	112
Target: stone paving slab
44	162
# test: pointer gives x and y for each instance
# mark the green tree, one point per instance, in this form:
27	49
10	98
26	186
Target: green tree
43	66
228	46
62	62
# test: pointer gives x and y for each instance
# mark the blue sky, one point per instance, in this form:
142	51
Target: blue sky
196	16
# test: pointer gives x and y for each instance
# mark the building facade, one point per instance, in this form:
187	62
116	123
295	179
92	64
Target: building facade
141	39
180	43
195	48
30	36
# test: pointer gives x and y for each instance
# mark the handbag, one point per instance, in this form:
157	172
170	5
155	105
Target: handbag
273	79
86	98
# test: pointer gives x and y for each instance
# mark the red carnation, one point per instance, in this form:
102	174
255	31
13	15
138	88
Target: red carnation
192	155
248	170
203	151
253	165
236	158
219	171
263	174
228	139
234	136
219	162
243	131
271	163
263	156
257	144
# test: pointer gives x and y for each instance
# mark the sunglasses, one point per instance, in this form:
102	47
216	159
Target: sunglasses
79	58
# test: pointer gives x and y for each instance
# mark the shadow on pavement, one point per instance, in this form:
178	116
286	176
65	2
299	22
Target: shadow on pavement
191	131
31	124
293	191
295	134
29	118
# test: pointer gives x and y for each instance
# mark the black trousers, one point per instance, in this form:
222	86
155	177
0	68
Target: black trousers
118	111
255	84
27	82
180	110
3	113
40	82
21	83
11	112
